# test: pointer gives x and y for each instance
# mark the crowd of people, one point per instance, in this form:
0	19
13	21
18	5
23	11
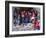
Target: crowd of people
27	15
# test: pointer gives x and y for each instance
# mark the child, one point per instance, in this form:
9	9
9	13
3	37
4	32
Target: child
22	17
37	24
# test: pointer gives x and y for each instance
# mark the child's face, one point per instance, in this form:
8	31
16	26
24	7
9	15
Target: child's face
22	12
26	13
29	13
33	21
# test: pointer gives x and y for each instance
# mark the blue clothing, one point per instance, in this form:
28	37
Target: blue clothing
26	20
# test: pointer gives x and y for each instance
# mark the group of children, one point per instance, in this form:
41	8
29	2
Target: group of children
28	16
